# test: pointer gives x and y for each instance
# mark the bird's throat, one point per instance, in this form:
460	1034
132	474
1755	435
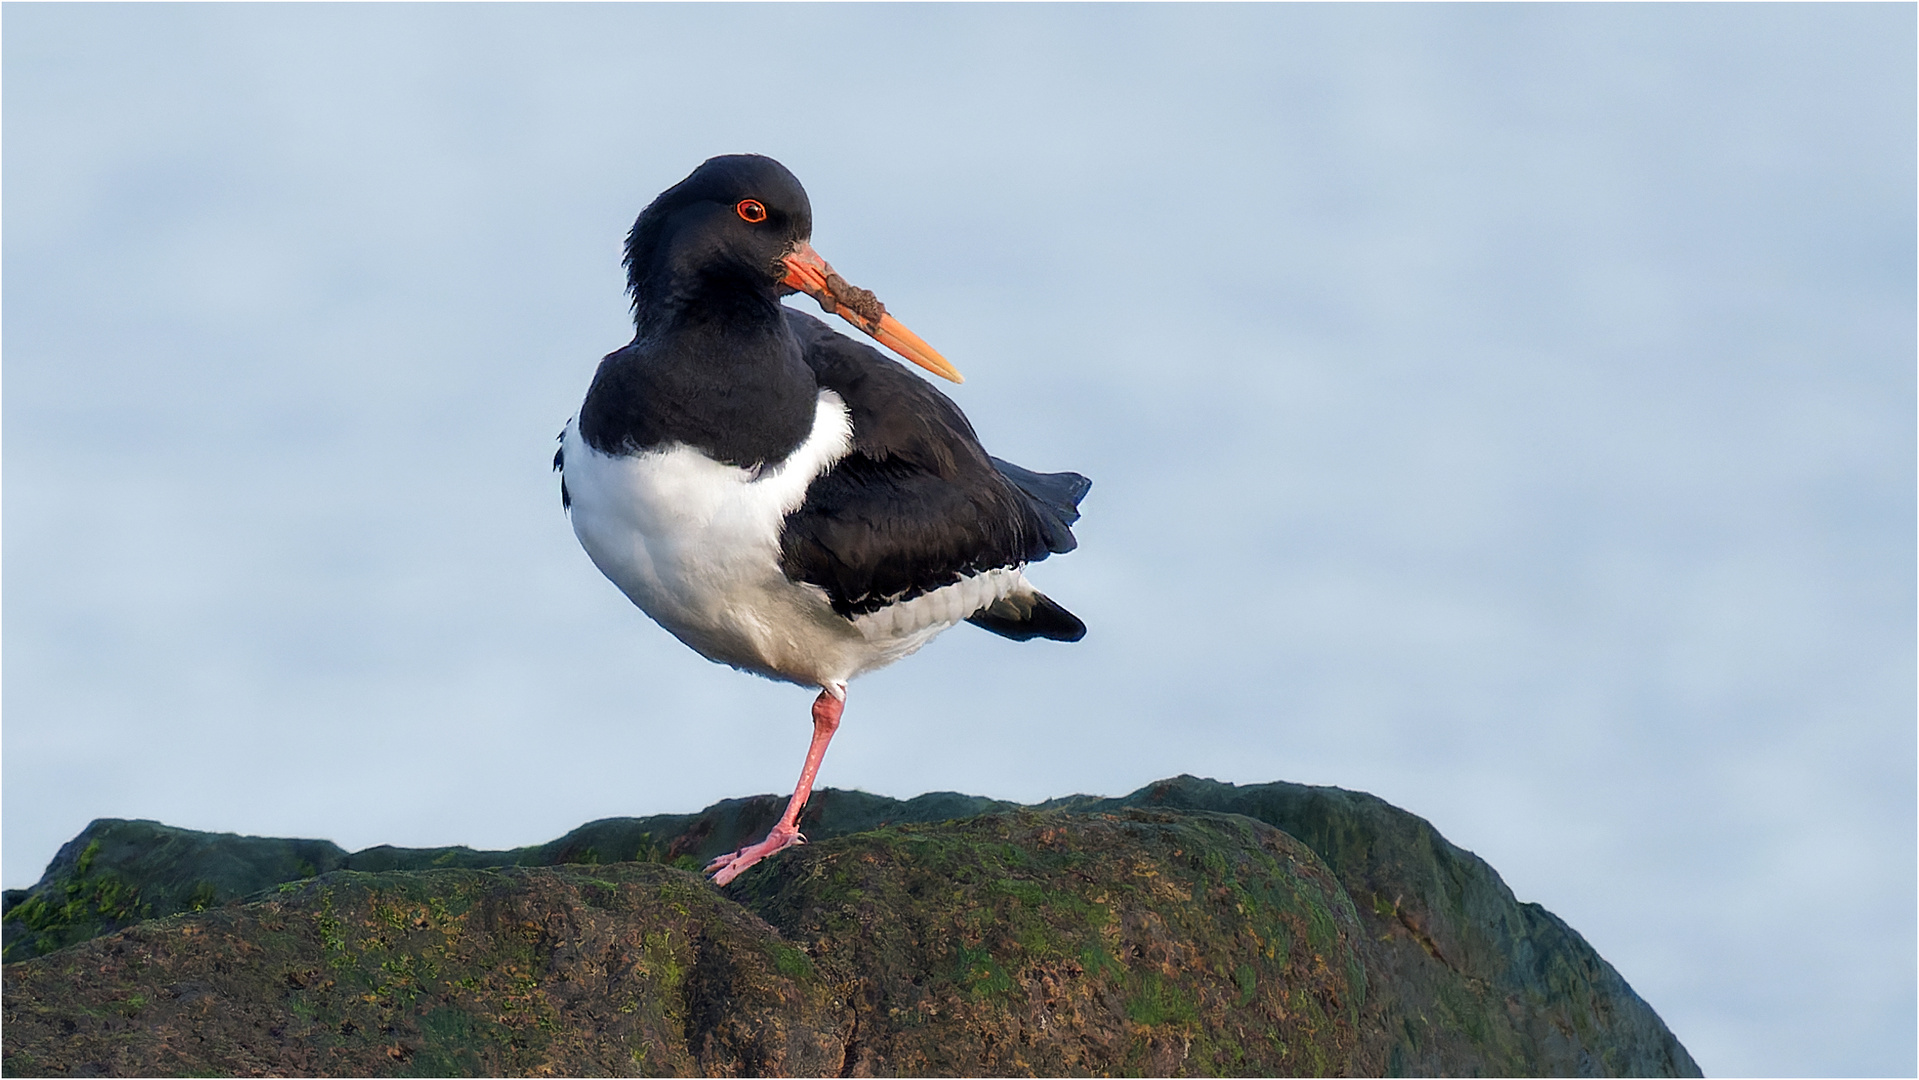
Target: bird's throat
735	389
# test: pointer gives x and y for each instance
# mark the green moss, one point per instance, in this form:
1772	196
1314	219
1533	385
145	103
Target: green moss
604	895
981	973
660	960
202	896
1028	892
1166	926
1321	934
451	1040
1247	980
332	934
1096	961
791	962
84	906
1157	1001
87	856
440	912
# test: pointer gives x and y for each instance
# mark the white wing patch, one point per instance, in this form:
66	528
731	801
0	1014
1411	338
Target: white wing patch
941	608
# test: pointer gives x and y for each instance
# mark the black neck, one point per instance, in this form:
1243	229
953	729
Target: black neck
713	367
668	298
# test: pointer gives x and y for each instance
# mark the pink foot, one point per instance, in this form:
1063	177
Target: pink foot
727	867
826	720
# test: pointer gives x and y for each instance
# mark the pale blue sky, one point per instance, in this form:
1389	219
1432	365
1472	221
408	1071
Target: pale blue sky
1507	410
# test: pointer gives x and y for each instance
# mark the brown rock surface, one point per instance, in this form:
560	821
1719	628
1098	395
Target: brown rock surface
1177	931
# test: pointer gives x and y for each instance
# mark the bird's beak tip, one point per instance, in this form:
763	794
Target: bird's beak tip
807	272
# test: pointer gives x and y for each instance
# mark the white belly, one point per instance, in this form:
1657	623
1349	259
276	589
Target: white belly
695	544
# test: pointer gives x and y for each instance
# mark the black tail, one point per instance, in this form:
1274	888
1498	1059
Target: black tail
1056	496
1025	616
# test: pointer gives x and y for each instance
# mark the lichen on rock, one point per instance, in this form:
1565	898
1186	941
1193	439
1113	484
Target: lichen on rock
1189	928
598	970
1055	944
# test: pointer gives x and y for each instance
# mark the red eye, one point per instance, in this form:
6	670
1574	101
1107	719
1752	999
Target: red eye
751	210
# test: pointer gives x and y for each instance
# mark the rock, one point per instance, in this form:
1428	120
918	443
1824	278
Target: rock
117	873
573	970
1191	927
1145	943
1468	980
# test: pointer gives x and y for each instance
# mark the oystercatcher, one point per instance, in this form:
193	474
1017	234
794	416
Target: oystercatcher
780	497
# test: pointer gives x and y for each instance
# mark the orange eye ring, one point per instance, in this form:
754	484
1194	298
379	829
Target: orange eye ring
751	210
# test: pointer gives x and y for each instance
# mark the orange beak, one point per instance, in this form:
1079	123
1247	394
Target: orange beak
810	274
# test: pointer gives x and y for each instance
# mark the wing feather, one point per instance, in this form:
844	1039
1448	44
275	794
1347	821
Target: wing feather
918	503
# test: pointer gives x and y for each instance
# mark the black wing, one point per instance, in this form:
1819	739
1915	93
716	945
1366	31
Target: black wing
917	503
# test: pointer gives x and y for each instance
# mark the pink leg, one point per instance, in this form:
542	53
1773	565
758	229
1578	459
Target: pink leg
826	720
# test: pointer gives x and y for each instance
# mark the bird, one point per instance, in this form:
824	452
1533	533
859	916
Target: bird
779	496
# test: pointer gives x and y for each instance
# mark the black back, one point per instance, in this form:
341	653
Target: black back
917	503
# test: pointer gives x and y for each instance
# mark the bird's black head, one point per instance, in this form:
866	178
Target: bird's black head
725	227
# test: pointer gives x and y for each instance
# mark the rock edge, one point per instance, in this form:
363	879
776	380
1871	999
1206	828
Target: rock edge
1162	932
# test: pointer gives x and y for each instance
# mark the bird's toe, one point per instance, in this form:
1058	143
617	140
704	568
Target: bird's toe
727	867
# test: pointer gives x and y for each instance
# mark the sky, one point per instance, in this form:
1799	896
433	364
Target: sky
1507	410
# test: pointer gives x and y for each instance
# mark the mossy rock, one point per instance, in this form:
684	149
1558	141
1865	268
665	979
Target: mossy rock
1155	933
1141	943
609	970
1467	979
117	873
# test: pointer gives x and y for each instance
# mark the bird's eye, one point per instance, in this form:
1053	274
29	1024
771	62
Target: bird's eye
751	210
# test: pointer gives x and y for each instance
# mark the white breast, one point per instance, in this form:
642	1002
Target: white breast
695	543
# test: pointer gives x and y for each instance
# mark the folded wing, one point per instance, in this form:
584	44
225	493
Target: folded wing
918	504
